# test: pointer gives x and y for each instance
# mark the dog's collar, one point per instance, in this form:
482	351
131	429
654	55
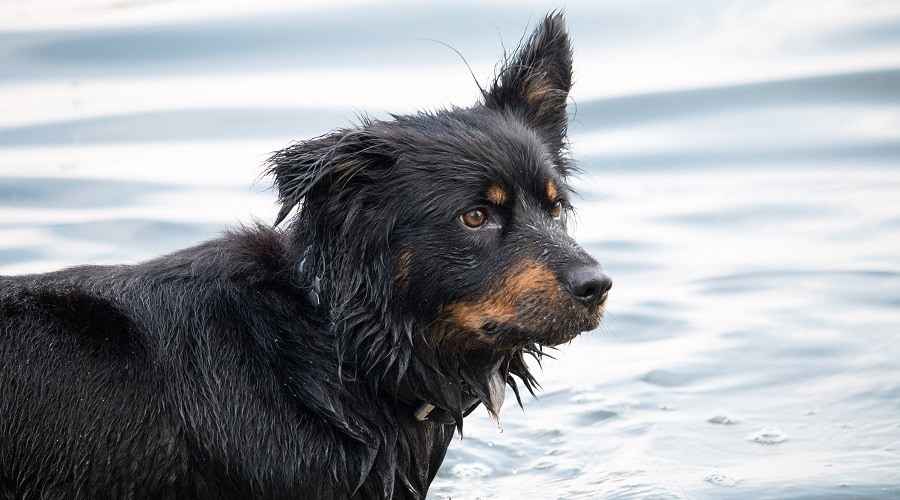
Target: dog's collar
424	411
423	408
428	412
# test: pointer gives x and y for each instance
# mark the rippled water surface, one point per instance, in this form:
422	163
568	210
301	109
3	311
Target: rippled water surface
741	185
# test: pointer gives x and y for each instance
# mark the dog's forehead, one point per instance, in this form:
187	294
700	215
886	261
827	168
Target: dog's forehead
520	167
500	157
520	181
460	156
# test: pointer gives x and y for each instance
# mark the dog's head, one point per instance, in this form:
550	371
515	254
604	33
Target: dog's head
455	220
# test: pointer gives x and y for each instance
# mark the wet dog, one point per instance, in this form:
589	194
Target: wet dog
420	261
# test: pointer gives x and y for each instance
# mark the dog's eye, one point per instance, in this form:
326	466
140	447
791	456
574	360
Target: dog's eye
474	218
556	209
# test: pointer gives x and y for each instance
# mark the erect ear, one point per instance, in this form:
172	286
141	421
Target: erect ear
321	164
535	80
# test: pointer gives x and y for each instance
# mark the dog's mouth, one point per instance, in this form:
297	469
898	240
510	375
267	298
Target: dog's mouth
497	345
542	327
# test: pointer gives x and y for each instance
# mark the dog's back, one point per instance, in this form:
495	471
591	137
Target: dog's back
110	378
77	384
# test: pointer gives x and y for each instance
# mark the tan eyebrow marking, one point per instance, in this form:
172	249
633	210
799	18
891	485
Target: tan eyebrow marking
496	195
552	190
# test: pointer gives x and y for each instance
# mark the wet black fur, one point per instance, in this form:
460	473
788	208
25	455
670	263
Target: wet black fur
287	363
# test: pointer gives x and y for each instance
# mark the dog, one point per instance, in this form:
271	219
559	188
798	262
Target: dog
415	263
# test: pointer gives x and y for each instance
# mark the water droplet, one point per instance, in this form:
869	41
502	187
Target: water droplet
719	479
768	436
722	420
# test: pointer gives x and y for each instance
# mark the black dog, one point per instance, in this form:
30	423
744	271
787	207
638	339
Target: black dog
334	358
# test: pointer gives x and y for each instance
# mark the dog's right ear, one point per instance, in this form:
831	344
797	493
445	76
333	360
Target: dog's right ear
536	79
321	164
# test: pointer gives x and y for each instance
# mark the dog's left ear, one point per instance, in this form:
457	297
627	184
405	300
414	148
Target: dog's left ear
322	166
535	81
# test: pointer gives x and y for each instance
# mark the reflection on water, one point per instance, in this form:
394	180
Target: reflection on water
740	185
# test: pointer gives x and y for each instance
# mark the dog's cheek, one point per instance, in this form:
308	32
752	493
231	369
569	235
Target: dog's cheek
420	284
531	279
525	294
475	316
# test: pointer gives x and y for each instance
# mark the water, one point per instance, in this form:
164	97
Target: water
741	186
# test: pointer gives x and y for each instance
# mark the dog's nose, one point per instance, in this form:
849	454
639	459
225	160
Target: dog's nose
588	284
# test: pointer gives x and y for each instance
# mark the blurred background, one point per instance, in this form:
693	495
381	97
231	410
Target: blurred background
741	186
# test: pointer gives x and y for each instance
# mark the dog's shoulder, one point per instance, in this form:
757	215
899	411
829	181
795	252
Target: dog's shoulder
62	301
246	255
240	277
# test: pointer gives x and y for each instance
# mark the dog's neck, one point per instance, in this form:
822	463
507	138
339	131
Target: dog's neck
424	410
394	356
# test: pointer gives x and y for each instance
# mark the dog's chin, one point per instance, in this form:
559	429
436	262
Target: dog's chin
558	338
563	331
